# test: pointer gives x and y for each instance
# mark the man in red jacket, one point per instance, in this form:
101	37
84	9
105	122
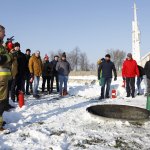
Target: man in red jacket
129	72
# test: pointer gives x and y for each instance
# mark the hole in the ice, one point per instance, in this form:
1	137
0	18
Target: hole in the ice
119	112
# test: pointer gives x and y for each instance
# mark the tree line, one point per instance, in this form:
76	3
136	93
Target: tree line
79	60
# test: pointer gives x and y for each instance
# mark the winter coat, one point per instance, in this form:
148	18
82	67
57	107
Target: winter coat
14	68
54	63
130	69
63	68
27	70
5	74
22	65
107	67
147	69
35	65
141	71
47	69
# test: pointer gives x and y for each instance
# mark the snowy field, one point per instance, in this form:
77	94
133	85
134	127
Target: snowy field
64	124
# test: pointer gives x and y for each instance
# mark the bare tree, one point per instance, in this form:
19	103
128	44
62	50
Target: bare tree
117	56
84	63
73	58
92	67
52	54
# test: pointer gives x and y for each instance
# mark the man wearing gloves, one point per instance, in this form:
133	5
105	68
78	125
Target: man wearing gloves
106	67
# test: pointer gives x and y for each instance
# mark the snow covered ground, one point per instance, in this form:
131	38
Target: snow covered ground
64	124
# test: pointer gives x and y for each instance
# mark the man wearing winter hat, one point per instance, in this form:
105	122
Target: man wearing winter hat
129	72
55	73
28	83
22	69
106	67
63	68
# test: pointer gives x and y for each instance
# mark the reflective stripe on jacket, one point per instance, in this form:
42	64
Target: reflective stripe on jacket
5	72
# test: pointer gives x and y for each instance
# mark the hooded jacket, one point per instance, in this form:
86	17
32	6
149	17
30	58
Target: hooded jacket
130	69
35	65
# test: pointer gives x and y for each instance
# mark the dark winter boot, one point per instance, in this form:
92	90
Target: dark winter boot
65	93
36	96
101	97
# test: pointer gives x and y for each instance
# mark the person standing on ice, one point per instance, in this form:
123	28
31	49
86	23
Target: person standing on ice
147	72
106	67
129	72
35	67
63	68
139	79
5	75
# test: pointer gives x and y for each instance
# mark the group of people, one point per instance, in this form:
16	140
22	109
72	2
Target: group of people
21	72
130	70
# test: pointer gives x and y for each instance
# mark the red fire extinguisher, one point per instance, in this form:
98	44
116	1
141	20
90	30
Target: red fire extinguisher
114	93
9	43
21	99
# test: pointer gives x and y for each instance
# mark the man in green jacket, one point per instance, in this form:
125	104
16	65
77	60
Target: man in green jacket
5	75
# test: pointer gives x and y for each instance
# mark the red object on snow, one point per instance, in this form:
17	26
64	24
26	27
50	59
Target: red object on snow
21	99
124	84
114	93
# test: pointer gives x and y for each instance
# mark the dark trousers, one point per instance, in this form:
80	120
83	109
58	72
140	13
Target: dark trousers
9	90
20	82
130	86
2	106
46	79
107	83
28	84
13	89
57	82
138	83
148	86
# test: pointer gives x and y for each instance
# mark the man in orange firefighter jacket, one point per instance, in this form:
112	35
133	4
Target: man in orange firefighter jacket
5	74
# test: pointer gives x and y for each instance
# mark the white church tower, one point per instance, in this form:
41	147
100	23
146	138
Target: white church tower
135	37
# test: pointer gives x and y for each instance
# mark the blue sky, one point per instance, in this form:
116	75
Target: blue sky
92	25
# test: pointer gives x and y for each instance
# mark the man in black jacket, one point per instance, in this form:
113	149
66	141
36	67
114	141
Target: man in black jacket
46	74
106	67
22	68
147	72
55	74
139	79
28	76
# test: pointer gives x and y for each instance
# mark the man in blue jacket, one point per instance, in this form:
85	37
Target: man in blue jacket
106	67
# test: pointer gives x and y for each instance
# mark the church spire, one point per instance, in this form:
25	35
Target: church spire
135	37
